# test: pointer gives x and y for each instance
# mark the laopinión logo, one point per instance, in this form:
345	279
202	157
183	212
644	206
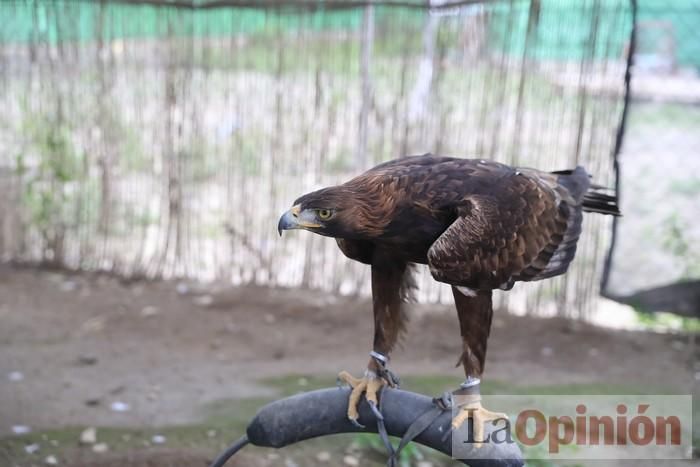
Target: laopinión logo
579	427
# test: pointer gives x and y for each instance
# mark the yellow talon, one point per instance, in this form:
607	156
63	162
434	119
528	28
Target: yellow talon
480	416
370	385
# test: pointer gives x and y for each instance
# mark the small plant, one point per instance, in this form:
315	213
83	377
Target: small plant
371	442
667	321
48	169
676	241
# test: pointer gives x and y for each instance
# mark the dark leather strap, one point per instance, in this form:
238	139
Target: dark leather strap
419	425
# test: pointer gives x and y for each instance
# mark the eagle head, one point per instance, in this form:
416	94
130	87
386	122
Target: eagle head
333	212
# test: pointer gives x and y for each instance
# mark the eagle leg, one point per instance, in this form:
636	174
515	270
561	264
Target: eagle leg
391	283
475	311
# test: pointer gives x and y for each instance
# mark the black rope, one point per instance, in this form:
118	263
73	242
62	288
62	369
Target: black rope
420	424
619	137
227	454
384	435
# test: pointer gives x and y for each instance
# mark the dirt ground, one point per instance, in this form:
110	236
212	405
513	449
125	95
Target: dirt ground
71	346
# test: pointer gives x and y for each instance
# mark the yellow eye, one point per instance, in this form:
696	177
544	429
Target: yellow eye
324	214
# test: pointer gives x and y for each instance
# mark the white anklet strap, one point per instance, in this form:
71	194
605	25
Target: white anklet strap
382	371
383	359
470	382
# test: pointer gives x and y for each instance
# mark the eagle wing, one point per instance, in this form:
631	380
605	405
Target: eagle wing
505	233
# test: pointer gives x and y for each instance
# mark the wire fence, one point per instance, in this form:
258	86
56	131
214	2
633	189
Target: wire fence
154	140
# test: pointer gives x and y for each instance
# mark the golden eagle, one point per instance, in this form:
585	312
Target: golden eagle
478	225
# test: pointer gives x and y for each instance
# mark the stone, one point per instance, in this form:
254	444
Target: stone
100	448
149	310
118	406
88	436
21	429
31	448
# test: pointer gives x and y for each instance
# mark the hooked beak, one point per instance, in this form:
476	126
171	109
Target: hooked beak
289	220
292	219
295	218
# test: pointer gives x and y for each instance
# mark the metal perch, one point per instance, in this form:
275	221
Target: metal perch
323	412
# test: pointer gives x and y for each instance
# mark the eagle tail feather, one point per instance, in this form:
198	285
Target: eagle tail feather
594	201
578	183
588	198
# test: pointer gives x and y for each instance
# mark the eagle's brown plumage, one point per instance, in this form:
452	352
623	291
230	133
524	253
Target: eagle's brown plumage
478	225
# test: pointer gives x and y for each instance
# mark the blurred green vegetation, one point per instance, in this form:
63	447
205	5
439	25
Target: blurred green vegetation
689	187
660	321
49	168
64	20
667	115
677	241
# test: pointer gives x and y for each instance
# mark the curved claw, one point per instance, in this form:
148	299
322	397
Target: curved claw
376	411
356	423
391	379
